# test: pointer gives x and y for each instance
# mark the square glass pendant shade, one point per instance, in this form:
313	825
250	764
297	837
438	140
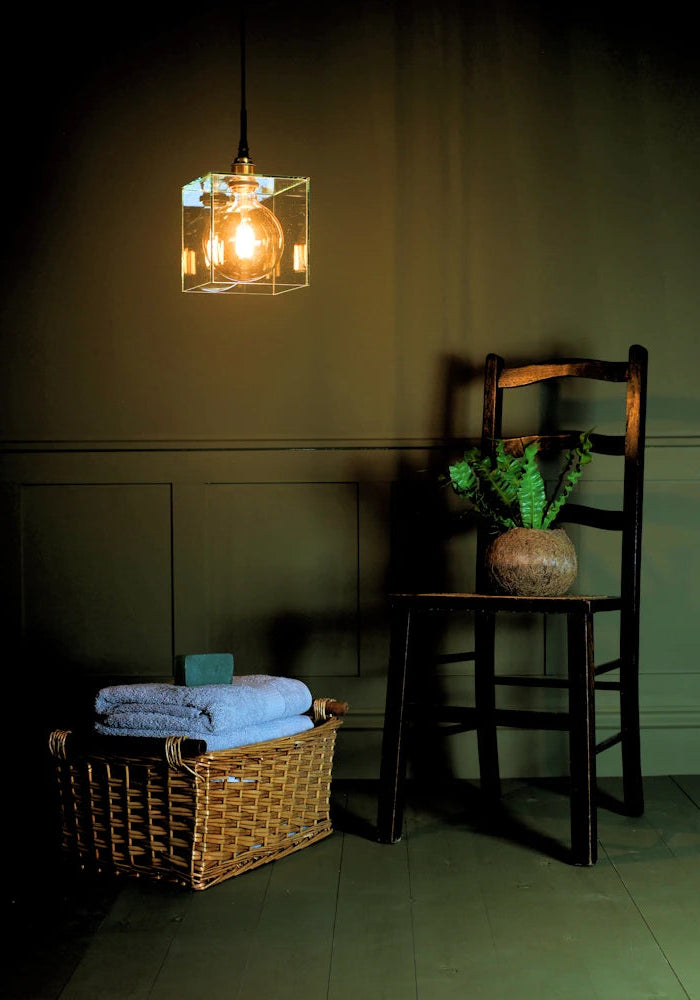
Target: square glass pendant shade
245	234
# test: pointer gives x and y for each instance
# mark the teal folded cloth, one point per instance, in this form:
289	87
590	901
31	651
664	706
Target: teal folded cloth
197	712
224	739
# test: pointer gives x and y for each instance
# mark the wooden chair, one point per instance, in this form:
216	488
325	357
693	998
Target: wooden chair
583	676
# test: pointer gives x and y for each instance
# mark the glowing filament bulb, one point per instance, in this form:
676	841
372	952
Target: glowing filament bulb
245	240
248	234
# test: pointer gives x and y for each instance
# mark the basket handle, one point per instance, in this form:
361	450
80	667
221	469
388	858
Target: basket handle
325	708
57	743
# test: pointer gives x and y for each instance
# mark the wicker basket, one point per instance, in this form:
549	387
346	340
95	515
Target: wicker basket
194	819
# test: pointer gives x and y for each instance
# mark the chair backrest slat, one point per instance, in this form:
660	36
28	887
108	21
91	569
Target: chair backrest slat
608	444
602	444
603	371
592	517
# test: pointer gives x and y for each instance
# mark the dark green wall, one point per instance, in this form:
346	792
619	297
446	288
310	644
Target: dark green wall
484	176
509	177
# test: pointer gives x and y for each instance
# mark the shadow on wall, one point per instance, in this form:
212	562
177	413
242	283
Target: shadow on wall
431	531
431	544
424	523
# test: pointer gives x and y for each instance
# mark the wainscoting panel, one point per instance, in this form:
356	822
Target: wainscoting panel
278	576
96	576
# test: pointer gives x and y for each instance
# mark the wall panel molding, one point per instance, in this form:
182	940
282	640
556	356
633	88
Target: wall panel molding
193	532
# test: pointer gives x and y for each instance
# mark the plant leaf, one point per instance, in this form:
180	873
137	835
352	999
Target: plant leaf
462	477
570	475
475	478
532	498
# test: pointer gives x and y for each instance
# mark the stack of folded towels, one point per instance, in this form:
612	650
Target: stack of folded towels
250	709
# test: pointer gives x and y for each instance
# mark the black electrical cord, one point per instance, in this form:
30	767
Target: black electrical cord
243	152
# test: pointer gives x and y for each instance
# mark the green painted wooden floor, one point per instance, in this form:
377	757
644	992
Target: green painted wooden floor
454	910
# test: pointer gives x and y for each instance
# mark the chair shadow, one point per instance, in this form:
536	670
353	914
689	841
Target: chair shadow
603	799
461	804
353	807
451	803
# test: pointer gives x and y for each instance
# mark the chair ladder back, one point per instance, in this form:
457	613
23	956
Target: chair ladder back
633	372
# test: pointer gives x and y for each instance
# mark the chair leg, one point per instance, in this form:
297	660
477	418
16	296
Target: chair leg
582	739
632	784
393	762
485	702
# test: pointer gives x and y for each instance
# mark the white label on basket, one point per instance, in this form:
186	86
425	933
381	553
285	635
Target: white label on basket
232	780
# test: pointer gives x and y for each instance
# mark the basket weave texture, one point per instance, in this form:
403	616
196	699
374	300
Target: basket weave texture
194	821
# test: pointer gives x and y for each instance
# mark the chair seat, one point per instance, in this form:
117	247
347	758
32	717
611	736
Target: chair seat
566	604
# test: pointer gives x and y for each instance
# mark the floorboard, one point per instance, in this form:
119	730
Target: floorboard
518	932
293	940
662	877
130	946
373	952
213	944
467	906
690	783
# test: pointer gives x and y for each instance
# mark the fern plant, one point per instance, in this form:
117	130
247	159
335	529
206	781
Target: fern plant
509	492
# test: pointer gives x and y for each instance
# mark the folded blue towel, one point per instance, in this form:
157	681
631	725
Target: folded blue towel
274	729
151	709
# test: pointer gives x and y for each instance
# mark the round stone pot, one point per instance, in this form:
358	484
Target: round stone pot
528	562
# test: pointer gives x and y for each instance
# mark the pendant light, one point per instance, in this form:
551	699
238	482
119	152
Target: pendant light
245	233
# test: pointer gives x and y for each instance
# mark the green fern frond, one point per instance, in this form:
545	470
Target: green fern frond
510	471
532	497
576	459
490	493
510	492
462	477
